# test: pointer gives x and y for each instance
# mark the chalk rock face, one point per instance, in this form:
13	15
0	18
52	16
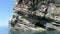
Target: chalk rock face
35	15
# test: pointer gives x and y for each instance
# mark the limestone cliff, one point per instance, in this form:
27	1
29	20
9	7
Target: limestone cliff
35	15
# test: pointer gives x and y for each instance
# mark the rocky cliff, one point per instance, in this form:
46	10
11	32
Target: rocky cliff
35	15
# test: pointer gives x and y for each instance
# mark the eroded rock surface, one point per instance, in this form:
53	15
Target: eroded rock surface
35	15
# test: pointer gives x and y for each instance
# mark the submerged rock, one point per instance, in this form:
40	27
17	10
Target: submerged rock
35	15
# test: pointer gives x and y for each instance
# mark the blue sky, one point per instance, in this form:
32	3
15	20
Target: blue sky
6	8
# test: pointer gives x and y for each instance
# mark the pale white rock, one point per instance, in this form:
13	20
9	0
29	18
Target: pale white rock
53	12
39	14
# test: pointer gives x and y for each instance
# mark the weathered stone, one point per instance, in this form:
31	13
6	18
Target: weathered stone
35	15
53	12
53	26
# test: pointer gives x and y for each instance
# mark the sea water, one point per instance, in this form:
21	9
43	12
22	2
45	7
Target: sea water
5	30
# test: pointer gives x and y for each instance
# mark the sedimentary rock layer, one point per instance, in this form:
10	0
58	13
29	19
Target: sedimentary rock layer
35	15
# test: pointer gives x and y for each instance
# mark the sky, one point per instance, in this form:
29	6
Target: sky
6	8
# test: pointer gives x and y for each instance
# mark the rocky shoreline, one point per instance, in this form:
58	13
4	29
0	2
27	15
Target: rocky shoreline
35	15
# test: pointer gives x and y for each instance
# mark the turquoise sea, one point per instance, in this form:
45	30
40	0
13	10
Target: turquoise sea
5	30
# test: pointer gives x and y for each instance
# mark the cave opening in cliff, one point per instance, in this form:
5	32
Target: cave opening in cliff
40	25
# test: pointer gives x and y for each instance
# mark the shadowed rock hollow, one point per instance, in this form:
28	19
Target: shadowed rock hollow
35	15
